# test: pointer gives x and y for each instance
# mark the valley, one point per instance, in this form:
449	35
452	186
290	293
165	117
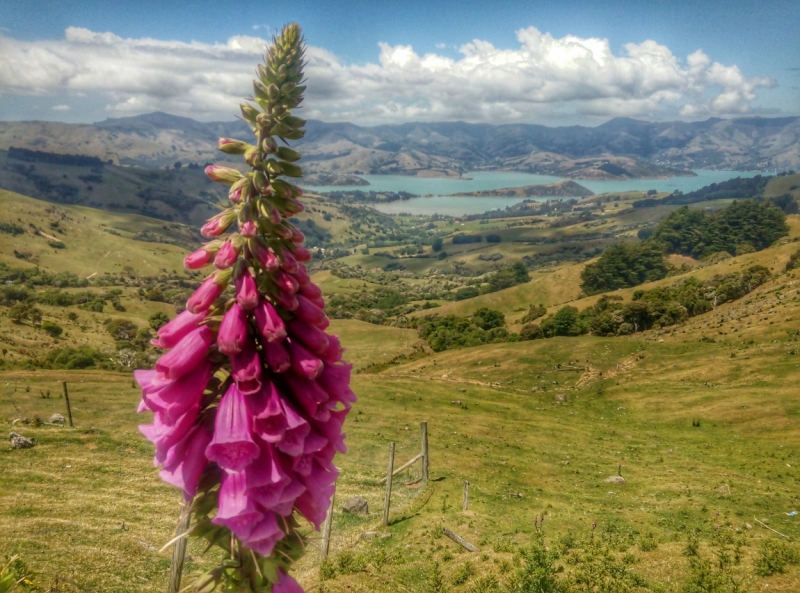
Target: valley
698	416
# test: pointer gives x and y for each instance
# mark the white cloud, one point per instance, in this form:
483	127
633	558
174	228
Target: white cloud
542	77
61	107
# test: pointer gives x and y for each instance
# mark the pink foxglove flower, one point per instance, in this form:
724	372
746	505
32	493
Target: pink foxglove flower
246	368
173	332
246	290
248	229
238	511
187	354
226	256
249	400
269	323
232	334
267	259
204	296
286	584
199	259
233	447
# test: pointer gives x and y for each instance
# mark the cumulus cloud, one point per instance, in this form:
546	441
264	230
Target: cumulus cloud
61	107
542	77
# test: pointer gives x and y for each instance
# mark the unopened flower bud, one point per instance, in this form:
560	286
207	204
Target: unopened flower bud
226	256
223	174
266	258
231	146
246	290
301	253
202	257
219	224
248	229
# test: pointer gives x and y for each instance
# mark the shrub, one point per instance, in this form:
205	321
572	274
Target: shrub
466	292
122	329
157	320
532	331
493	238
51	328
773	556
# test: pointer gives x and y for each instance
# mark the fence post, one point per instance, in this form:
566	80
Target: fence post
69	409
466	496
424	429
326	529
388	486
179	551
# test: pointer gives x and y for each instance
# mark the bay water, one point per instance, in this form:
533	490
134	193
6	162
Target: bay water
438	200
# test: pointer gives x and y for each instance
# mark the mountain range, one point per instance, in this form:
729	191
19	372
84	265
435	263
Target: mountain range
618	149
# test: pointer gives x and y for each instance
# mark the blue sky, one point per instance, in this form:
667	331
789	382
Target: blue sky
576	62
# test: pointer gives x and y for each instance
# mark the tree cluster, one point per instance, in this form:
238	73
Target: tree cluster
447	332
649	309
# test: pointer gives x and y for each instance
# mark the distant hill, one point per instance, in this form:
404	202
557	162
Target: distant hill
653	149
180	195
560	189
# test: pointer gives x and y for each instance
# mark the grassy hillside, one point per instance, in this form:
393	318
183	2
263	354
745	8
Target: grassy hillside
524	451
701	420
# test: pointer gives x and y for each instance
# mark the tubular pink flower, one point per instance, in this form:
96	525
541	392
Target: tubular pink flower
335	380
311	291
187	354
286	584
301	275
246	369
246	290
226	256
313	443
301	254
173	332
288	262
310	313
204	296
311	337
264	536
304	363
248	229
171	399
269	422
232	334
297	236
310	396
218	225
285	505
269	323
277	422
266	480
277	357
233	447
190	462
267	259
166	434
285	282
198	259
334	352
237	510
287	301
313	503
